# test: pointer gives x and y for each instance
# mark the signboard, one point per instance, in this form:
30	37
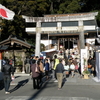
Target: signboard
83	59
90	41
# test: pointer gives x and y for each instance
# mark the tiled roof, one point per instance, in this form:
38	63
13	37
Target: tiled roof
73	14
18	43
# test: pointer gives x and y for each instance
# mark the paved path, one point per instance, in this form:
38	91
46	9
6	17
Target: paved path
77	80
50	92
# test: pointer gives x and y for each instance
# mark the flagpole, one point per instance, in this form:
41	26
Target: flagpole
0	26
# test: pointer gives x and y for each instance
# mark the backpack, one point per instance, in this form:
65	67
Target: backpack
7	69
11	62
3	62
56	63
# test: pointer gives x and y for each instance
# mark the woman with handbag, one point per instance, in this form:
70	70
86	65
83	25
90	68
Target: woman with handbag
66	71
40	64
35	75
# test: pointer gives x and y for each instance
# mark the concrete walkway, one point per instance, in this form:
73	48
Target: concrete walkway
71	82
77	80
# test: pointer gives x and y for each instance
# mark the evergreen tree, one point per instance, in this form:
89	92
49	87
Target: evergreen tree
37	8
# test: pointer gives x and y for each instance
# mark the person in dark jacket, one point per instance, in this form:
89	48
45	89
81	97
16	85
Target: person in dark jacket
93	62
59	72
47	69
8	70
35	75
90	60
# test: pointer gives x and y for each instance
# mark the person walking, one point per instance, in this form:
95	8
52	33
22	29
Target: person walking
66	71
40	63
59	72
47	69
8	72
90	60
94	66
31	58
56	61
36	58
27	65
35	75
72	68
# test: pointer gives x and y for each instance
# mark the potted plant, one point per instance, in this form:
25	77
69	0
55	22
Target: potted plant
86	73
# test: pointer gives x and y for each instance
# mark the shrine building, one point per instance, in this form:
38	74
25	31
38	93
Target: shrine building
64	29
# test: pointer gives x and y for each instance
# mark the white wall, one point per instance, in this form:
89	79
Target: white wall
46	42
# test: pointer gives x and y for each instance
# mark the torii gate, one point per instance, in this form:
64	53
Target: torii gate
80	18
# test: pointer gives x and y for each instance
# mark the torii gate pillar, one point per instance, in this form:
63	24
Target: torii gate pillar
38	39
81	35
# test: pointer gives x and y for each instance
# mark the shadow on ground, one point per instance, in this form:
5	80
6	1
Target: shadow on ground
1	84
17	76
20	84
43	86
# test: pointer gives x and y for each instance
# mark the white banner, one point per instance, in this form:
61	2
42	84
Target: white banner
83	59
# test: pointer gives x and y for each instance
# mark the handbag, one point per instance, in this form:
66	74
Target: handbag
36	69
92	68
12	78
67	72
76	67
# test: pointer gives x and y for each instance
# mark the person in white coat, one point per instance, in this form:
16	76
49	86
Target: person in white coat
72	68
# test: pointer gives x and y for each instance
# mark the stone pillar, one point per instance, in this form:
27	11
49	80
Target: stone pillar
23	59
59	25
48	42
81	35
58	44
59	28
38	39
82	46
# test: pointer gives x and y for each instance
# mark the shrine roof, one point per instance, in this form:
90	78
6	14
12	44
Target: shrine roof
70	14
14	41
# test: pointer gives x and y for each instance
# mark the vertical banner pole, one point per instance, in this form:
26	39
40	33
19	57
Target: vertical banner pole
0	60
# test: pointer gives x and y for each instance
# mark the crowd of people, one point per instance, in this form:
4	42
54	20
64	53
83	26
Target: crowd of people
69	66
39	68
